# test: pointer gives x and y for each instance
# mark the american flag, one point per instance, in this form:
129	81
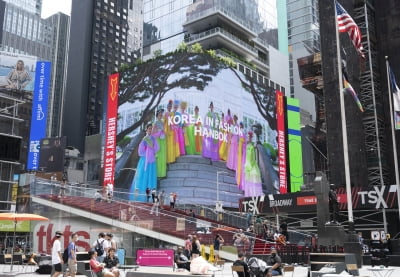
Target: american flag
347	24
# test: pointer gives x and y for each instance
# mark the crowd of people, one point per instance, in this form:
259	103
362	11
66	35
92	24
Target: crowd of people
103	261
272	266
192	249
219	137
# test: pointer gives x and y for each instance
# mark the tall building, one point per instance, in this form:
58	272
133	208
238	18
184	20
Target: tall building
303	31
60	24
25	35
369	142
100	34
25	32
31	6
244	30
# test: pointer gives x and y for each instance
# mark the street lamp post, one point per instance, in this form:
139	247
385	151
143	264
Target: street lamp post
134	189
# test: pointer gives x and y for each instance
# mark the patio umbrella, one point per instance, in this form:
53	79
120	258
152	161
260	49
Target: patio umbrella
19	217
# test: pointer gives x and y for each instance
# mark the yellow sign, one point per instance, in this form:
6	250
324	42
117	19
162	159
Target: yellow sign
203	252
8	226
211	256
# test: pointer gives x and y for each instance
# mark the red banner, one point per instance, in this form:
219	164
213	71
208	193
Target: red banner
111	130
280	118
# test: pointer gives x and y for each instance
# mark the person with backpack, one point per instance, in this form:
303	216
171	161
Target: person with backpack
98	246
56	258
72	262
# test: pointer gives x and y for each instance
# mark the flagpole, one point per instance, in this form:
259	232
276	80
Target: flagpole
344	128
396	166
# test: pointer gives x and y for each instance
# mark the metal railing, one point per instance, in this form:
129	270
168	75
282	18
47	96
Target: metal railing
194	37
196	15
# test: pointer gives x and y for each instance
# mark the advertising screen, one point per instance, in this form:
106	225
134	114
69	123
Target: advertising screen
39	113
52	152
193	128
17	71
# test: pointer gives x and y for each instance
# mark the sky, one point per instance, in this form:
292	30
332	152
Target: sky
50	7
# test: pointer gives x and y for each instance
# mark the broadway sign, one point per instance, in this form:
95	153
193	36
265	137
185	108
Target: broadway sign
376	197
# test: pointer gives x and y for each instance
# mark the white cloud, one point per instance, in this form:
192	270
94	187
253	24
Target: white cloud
50	7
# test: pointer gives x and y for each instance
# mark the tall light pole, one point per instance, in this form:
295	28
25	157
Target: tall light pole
134	189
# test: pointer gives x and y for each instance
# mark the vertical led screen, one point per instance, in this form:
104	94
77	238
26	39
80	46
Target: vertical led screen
282	147
39	113
294	144
188	124
111	130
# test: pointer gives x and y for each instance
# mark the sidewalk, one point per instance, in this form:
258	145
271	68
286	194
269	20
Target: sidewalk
29	271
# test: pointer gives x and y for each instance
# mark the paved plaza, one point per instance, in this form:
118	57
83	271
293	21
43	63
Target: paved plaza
28	271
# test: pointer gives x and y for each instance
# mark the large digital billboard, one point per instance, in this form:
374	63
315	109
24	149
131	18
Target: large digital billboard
191	125
17	71
39	113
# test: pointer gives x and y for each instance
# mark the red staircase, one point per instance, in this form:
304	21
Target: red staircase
175	223
262	247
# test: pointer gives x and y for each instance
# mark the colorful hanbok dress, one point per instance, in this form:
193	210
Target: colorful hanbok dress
210	144
231	162
180	137
223	144
241	160
190	142
146	170
161	156
252	177
198	138
170	137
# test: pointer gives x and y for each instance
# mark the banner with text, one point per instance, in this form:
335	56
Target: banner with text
39	113
111	130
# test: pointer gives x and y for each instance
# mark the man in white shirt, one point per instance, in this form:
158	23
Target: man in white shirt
109	242
56	255
100	242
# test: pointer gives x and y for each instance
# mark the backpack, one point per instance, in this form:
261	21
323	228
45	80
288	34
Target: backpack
65	255
99	248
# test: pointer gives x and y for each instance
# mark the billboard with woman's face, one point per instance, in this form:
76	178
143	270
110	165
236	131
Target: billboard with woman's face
191	125
17	71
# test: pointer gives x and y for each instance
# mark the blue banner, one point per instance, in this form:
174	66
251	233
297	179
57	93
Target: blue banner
39	113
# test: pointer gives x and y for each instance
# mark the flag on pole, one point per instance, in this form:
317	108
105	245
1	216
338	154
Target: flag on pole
348	88
347	24
396	98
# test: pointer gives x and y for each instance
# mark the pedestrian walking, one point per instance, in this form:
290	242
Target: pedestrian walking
153	194
72	262
171	201
147	194
161	196
154	208
56	255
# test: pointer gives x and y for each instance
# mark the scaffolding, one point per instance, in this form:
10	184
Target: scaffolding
15	112
371	97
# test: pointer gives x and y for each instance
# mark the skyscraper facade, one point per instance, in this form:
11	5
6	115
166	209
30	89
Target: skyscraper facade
303	35
102	33
245	29
31	6
25	32
60	24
